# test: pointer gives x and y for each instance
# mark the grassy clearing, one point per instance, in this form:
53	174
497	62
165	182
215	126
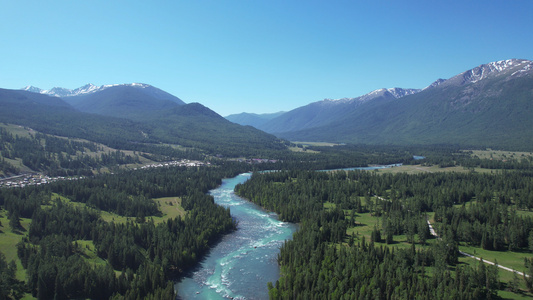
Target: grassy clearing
329	205
88	251
21	131
17	163
511	295
365	223
170	207
111	217
514	260
10	239
303	149
505	278
318	144
303	146
106	216
417	169
499	155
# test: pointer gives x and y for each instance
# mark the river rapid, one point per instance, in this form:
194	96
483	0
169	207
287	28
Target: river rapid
242	263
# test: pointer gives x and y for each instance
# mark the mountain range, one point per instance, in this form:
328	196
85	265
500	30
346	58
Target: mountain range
89	88
130	116
118	100
487	106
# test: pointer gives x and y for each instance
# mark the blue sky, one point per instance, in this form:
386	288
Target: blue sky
256	56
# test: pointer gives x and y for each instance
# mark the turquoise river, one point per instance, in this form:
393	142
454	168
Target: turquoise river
241	264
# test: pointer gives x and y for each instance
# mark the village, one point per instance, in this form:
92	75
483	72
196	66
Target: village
31	179
180	163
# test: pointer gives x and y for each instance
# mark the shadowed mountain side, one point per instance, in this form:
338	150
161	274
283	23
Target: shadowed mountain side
54	116
194	124
191	125
255	120
495	112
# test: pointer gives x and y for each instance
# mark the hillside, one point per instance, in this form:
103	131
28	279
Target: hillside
52	115
125	117
195	125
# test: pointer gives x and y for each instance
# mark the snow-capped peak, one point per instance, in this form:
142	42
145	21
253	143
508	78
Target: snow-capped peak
399	92
86	89
391	92
483	71
32	89
394	92
508	67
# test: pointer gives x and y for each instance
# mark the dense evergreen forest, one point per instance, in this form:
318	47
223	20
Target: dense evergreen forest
324	261
140	257
57	156
71	248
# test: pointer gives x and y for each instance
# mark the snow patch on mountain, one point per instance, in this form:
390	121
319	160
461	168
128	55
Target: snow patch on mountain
508	67
391	92
399	92
483	71
32	89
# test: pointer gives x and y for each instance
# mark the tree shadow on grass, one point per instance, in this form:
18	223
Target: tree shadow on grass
18	231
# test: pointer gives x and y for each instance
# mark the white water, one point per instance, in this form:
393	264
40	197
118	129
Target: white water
242	263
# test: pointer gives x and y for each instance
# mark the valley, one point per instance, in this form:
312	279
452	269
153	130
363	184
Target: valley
122	185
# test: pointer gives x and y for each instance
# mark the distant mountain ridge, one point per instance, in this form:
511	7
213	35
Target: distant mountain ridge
323	112
116	100
487	106
91	89
255	120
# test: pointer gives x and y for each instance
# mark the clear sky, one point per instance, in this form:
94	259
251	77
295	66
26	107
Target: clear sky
256	56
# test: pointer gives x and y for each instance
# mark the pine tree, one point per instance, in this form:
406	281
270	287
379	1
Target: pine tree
14	221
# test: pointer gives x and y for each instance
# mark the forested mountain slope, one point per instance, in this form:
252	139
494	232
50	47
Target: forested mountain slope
126	118
488	106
